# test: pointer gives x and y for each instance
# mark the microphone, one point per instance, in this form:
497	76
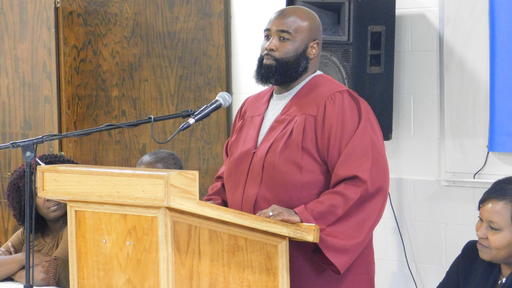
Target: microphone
223	99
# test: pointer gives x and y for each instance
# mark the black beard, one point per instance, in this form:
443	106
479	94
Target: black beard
283	71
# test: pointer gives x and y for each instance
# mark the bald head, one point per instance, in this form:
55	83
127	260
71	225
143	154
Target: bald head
291	48
160	159
304	17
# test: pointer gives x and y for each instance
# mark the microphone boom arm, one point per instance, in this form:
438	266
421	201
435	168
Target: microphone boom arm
29	146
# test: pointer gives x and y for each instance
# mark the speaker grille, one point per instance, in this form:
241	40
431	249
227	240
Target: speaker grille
336	61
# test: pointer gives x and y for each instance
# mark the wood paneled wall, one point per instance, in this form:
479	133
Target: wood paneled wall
123	60
119	60
28	87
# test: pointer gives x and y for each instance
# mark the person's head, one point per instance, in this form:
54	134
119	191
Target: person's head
160	159
291	47
494	225
46	210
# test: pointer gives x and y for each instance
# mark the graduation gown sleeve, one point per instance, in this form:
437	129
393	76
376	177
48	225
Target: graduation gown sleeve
351	144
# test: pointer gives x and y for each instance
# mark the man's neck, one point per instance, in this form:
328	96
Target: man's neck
285	88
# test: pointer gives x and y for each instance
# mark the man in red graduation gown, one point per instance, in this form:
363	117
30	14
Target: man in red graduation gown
308	149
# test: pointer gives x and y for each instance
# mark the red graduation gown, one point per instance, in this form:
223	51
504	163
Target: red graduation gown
324	157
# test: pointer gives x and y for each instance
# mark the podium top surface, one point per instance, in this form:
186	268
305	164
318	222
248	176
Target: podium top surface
143	187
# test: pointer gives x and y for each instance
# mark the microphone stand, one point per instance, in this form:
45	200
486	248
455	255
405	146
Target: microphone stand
28	148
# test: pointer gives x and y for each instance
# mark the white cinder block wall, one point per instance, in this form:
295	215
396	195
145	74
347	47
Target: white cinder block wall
441	59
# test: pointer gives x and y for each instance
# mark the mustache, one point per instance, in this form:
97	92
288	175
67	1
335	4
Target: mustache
269	55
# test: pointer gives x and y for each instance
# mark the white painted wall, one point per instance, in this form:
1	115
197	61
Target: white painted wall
440	128
248	19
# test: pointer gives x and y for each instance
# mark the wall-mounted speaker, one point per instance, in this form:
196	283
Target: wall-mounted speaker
358	49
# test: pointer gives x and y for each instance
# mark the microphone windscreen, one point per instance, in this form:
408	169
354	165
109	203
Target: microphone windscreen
224	98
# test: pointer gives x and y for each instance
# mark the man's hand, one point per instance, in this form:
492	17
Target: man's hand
280	213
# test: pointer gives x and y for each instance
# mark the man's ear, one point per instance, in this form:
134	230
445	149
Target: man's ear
314	49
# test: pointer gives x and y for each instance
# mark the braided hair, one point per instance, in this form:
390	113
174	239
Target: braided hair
15	192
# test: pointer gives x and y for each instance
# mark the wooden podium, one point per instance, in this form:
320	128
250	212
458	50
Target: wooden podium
133	227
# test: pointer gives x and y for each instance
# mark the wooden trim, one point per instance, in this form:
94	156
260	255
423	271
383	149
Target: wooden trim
73	272
166	251
279	242
298	232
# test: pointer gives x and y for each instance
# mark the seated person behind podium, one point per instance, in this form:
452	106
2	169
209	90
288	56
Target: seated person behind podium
160	159
487	263
50	235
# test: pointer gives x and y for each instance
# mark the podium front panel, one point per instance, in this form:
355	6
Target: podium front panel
209	253
116	246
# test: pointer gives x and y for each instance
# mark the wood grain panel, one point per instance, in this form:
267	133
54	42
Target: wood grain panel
114	250
175	189
126	59
298	232
211	254
28	87
121	185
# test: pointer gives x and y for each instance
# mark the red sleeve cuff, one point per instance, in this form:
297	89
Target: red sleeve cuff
304	214
214	200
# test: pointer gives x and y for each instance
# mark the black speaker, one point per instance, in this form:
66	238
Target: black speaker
358	49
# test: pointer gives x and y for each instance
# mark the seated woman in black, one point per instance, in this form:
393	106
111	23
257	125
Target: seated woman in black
487	263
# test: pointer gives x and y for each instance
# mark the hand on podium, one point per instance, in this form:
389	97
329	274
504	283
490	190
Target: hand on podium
280	213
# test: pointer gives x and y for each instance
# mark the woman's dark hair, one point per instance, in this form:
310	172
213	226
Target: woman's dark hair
501	190
15	192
